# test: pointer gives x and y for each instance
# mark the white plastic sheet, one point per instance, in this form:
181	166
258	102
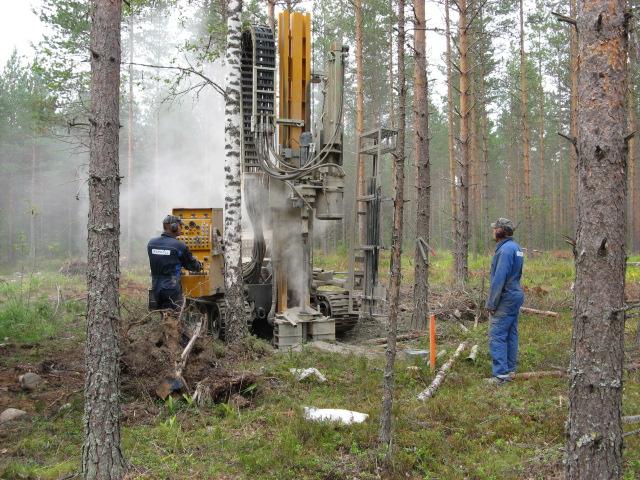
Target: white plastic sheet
346	417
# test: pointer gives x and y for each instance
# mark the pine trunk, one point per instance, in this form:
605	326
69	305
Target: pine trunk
542	216
388	385
450	133
130	140
422	181
462	233
236	323
101	454
32	201
632	203
573	115
360	119
524	125
594	444
271	15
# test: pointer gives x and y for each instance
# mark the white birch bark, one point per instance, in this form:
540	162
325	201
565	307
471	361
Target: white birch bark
236	326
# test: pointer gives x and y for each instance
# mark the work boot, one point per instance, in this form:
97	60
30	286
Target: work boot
497	381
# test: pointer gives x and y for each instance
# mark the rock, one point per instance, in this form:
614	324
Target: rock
11	414
29	381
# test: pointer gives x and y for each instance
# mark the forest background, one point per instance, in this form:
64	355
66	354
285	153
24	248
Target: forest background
172	135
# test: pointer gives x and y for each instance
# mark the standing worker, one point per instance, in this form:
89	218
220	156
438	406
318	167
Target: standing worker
167	257
504	302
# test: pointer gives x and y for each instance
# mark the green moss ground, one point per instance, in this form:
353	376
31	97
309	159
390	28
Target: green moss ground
468	430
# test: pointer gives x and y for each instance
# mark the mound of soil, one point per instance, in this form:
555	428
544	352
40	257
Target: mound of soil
149	359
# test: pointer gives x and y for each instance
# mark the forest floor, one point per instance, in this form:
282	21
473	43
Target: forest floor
255	429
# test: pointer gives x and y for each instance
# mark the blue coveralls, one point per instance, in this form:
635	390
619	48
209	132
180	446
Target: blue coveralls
167	256
505	297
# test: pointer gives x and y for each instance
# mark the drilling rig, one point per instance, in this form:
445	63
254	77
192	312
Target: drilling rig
292	175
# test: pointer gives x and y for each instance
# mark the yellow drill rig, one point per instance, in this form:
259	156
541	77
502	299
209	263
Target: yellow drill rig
291	175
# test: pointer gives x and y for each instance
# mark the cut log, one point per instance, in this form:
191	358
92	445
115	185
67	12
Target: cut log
631	419
442	373
345	349
540	374
544	313
400	338
473	354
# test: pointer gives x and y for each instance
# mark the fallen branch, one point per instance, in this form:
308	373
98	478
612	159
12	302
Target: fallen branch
540	374
400	338
631	419
180	364
545	313
632	432
437	381
473	354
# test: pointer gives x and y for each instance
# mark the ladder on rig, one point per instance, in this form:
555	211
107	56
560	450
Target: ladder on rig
364	253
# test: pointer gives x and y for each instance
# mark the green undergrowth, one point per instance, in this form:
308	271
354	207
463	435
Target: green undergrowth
467	430
35	307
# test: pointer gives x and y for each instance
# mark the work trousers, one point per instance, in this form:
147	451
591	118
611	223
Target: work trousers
503	345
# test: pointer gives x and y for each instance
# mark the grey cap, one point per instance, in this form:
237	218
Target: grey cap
171	219
503	223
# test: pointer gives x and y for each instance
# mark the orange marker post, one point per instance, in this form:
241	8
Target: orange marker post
432	342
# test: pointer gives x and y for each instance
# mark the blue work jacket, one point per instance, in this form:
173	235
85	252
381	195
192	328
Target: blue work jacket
505	294
167	256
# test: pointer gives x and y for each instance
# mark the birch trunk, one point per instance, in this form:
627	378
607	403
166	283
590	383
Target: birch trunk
388	385
101	454
422	180
594	442
236	323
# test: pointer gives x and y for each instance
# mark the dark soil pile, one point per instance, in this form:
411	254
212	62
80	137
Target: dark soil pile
148	359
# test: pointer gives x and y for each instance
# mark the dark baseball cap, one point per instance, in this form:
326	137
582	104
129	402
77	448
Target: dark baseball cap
503	223
171	219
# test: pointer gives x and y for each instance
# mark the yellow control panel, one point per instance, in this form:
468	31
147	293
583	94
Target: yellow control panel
202	233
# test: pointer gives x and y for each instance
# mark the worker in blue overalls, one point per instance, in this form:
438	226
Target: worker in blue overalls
504	302
167	257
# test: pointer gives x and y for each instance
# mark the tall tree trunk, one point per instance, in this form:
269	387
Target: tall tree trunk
632	204
101	454
271	15
524	125
422	179
543	201
156	163
573	116
11	251
236	327
474	166
32	202
388	385
462	234
360	119
594	444
450	133
130	140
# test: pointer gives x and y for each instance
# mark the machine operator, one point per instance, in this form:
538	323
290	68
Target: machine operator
167	256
